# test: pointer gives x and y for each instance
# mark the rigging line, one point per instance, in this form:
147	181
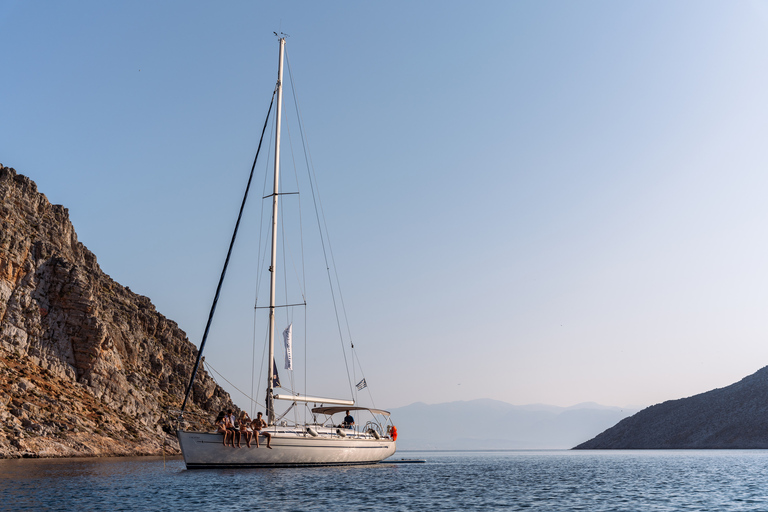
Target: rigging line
208	365
310	166
362	374
284	239
305	359
302	276
285	265
263	359
286	243
226	261
317	215
253	361
289	251
354	373
258	266
292	379
288	310
261	257
263	356
285	413
302	282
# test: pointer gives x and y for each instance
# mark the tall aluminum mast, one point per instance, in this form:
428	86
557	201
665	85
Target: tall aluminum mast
271	360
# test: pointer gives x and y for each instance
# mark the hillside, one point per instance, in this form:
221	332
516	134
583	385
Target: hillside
735	416
492	424
87	367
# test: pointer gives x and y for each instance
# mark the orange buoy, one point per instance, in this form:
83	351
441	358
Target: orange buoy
394	433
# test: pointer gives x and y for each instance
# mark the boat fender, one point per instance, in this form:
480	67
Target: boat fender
340	433
312	432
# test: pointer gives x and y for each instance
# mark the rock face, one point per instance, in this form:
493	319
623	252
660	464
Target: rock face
87	367
732	417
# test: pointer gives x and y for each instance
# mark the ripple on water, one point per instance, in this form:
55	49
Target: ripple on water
517	480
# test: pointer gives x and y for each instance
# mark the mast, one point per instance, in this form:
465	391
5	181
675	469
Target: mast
272	267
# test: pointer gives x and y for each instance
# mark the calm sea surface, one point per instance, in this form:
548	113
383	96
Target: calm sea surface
510	480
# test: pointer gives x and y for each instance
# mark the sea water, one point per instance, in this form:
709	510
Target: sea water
509	480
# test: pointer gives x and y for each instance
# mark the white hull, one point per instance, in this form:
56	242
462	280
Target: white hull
290	447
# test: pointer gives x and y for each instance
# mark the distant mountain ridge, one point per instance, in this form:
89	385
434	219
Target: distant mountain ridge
735	416
492	424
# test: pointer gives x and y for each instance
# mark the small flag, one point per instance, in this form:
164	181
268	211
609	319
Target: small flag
362	384
275	377
288	351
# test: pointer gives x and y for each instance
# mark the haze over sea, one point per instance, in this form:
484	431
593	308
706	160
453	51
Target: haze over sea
503	480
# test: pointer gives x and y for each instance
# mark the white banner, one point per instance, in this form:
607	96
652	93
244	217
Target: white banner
288	352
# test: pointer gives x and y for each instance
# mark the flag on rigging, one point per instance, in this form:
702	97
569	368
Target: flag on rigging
275	377
362	384
288	353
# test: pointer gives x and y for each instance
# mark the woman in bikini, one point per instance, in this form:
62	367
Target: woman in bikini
244	421
221	426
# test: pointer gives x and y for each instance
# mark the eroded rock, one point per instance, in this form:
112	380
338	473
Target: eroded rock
85	363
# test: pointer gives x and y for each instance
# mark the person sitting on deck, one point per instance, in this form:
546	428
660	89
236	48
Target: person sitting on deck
245	428
221	426
232	427
349	421
257	425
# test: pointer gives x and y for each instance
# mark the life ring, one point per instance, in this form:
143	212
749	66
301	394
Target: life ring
393	433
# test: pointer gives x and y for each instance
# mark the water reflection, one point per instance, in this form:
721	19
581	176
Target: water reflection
547	481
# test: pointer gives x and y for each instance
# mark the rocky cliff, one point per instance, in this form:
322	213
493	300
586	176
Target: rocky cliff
87	367
735	416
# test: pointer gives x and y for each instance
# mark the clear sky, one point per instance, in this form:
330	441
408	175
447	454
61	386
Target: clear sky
532	201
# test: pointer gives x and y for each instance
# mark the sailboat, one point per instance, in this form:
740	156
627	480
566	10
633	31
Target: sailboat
323	441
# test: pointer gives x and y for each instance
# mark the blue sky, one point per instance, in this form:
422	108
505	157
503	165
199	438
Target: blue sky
543	201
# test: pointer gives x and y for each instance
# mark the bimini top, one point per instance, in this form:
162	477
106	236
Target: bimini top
333	410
